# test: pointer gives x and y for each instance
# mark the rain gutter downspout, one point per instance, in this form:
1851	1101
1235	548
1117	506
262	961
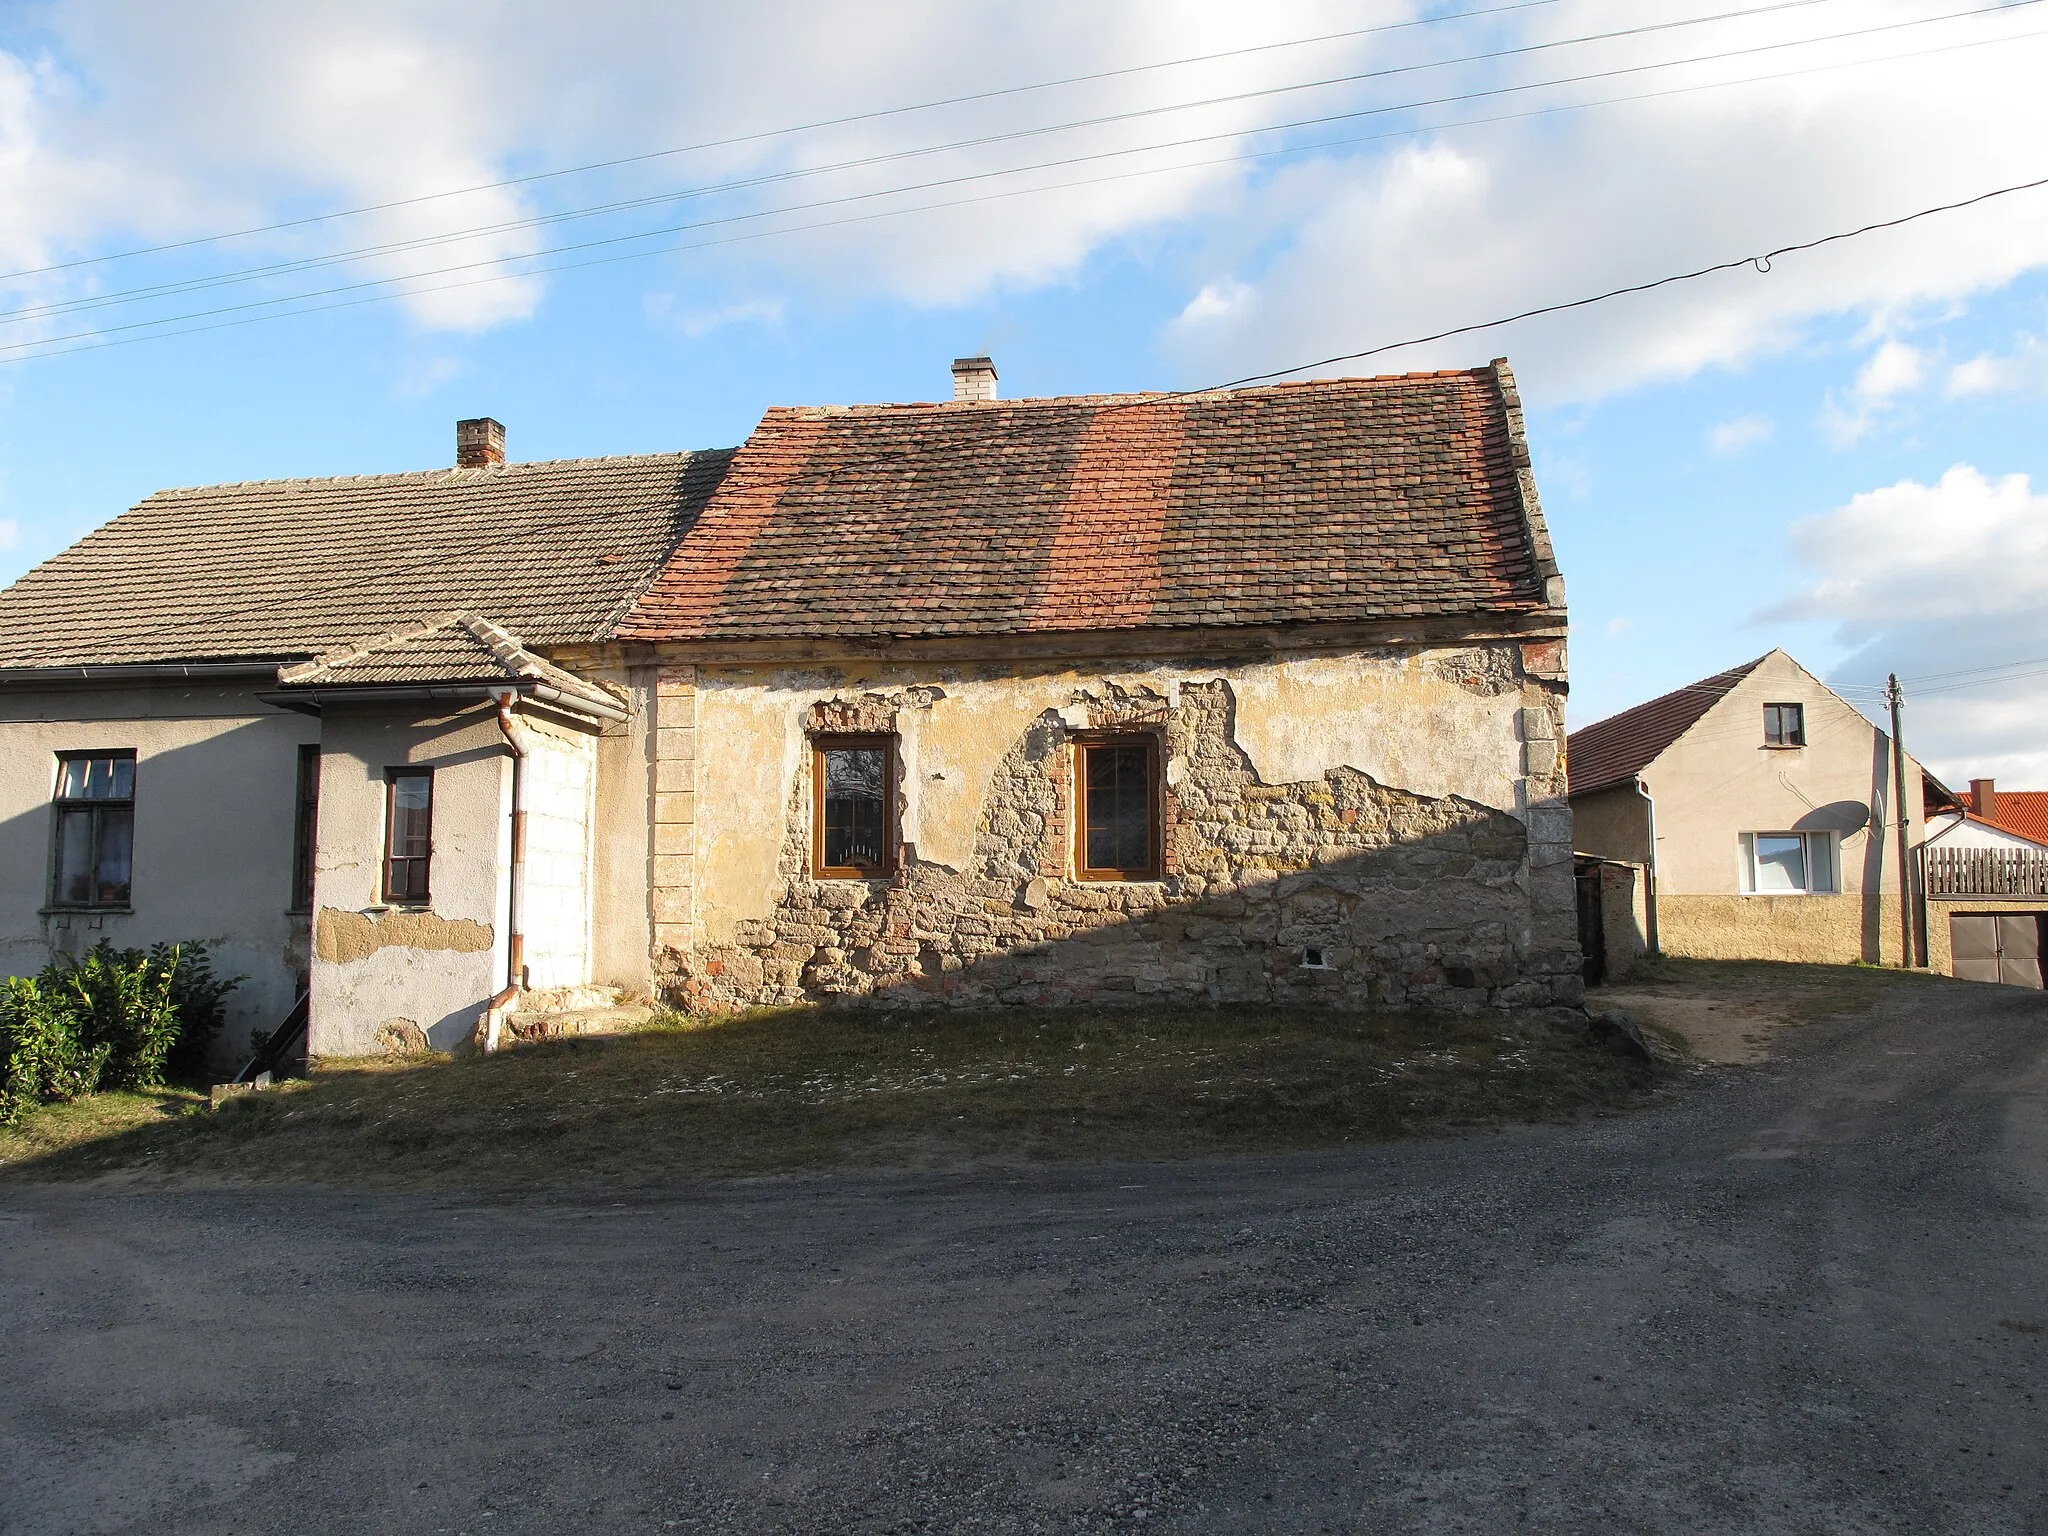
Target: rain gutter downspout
1650	886
515	955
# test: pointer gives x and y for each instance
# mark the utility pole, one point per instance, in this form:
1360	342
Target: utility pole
1895	697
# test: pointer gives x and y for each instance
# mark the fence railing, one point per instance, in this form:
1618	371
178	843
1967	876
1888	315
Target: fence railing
1984	872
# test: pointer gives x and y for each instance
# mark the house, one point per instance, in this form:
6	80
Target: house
1761	807
1240	696
1984	869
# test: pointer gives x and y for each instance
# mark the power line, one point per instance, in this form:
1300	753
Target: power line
774	133
47	346
1762	263
982	141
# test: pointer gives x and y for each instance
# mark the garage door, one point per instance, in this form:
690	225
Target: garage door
1997	946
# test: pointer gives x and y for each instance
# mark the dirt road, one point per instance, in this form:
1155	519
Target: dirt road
1809	1295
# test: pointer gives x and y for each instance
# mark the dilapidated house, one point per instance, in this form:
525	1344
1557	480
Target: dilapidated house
1228	697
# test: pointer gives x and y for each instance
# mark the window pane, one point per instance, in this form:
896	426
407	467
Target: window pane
117	842
1780	863
74	857
96	778
1119	807
856	807
1820	863
124	778
411	816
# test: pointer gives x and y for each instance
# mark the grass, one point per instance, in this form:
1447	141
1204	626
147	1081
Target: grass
794	1090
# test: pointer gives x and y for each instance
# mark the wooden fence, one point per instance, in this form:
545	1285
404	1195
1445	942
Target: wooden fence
1984	872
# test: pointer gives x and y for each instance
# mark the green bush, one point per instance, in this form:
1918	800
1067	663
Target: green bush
117	1018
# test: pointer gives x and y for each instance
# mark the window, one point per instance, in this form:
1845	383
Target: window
1118	815
305	829
409	833
853	833
1784	725
1788	863
95	848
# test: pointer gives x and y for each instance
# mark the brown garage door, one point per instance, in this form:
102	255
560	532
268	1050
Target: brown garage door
1997	946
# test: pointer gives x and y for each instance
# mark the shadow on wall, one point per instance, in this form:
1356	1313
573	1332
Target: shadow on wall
1338	890
212	862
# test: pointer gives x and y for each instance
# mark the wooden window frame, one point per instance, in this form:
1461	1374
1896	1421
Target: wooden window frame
306	828
97	810
1798	735
1155	792
423	897
869	741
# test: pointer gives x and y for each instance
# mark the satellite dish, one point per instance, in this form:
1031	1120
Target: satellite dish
1844	816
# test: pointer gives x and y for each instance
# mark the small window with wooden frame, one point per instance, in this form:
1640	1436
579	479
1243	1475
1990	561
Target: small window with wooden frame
1116	807
305	828
853	807
408	834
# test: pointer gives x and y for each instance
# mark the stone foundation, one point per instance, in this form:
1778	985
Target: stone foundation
1336	889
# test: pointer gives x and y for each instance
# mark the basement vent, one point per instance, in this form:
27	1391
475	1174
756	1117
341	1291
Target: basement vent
1312	959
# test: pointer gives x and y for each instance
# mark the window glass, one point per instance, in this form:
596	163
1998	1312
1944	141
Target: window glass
856	807
1117	807
1780	862
305	829
95	838
1785	725
411	834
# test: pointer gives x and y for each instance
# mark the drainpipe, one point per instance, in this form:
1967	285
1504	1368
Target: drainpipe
515	956
1650	887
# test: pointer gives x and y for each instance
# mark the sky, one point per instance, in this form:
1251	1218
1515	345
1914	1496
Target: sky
242	241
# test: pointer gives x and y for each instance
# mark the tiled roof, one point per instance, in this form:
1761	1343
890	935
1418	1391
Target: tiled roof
292	568
1615	750
1340	500
2022	812
457	649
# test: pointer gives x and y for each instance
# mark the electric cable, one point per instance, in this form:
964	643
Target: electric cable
48	346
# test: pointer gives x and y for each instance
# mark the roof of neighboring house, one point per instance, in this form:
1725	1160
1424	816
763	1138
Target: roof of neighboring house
1615	750
460	648
284	569
1338	500
2022	812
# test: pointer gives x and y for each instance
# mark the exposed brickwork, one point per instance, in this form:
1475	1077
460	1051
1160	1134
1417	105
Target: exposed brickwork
1402	899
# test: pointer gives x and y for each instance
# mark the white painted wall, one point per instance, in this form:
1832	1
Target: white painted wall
1953	831
559	791
438	969
215	789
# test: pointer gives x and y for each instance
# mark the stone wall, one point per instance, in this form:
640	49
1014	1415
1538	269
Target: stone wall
1336	887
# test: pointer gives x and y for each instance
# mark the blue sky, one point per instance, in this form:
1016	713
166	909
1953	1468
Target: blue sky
1843	457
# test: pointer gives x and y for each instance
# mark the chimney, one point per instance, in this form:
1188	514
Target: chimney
1984	798
479	443
974	378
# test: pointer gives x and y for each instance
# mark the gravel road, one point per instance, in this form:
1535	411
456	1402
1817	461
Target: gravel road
1805	1296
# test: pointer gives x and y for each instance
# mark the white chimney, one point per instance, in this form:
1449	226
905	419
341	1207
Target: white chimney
974	378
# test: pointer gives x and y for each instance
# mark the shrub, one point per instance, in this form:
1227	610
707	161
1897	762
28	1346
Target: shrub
117	1018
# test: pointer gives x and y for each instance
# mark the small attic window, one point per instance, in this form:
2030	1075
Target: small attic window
1784	725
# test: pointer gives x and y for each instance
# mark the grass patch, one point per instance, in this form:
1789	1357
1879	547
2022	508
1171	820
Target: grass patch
791	1090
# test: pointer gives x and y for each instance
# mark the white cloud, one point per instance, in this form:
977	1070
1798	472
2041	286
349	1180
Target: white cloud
1739	434
1934	580
695	323
1619	625
422	378
1893	370
10	533
2022	370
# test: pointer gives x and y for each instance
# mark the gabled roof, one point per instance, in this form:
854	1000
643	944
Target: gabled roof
284	569
1615	750
1339	500
460	648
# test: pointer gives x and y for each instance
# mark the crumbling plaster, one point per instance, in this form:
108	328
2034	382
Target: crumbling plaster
1474	861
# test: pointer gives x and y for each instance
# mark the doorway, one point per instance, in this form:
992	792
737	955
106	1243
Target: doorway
1996	946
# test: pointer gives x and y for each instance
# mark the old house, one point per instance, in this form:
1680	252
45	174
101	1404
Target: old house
1761	806
1238	696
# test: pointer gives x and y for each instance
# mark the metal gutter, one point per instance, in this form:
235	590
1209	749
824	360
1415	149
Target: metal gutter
143	672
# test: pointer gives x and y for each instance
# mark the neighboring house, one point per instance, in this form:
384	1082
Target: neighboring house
1984	868
1243	696
1761	805
1987	817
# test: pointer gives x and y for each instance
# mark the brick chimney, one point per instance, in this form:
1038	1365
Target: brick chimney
1984	798
974	378
479	443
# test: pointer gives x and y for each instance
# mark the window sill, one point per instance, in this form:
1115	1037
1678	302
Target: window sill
83	911
1784	746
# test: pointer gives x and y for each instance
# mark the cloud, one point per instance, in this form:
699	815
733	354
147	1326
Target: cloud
695	323
2023	370
1894	369
421	379
1619	625
10	533
1934	581
1732	437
